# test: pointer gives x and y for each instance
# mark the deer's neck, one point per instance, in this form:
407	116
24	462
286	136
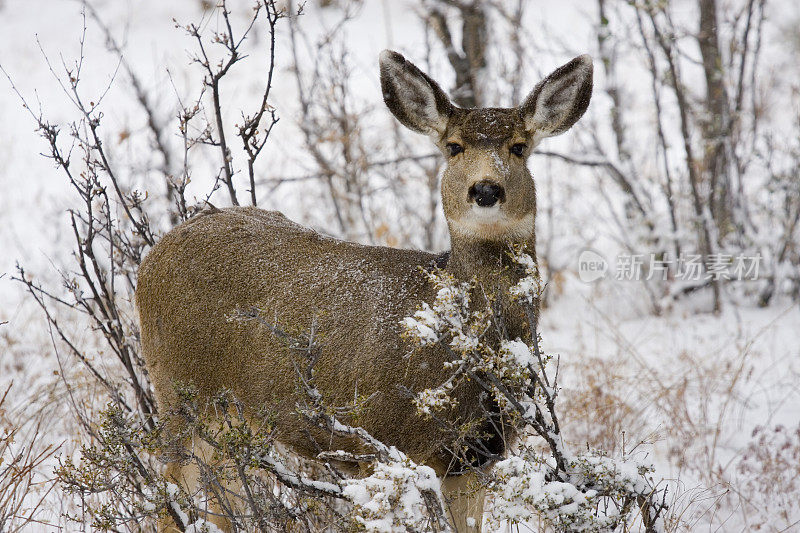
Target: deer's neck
485	261
477	259
491	266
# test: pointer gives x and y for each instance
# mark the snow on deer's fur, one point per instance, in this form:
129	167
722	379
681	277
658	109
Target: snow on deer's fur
225	260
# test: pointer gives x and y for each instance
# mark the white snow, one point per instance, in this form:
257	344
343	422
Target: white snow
173	492
518	353
202	526
391	500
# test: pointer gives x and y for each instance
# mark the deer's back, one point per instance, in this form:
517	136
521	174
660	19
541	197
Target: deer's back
194	280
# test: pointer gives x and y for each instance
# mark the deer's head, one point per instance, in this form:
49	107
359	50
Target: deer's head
487	190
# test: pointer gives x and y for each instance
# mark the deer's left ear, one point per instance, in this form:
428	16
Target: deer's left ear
559	100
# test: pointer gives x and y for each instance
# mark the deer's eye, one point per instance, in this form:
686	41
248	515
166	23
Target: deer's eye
455	149
518	149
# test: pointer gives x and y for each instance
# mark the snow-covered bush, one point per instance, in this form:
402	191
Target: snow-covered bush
396	497
770	471
586	491
599	494
244	478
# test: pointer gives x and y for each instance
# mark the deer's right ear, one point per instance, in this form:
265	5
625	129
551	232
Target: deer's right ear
412	96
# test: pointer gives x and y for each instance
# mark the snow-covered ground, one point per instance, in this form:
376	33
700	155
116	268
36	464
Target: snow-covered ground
696	389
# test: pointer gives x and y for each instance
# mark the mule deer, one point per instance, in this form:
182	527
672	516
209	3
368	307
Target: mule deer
238	258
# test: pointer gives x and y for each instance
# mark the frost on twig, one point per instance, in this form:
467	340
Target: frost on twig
587	491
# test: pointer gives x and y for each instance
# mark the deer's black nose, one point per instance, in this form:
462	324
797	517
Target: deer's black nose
486	193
